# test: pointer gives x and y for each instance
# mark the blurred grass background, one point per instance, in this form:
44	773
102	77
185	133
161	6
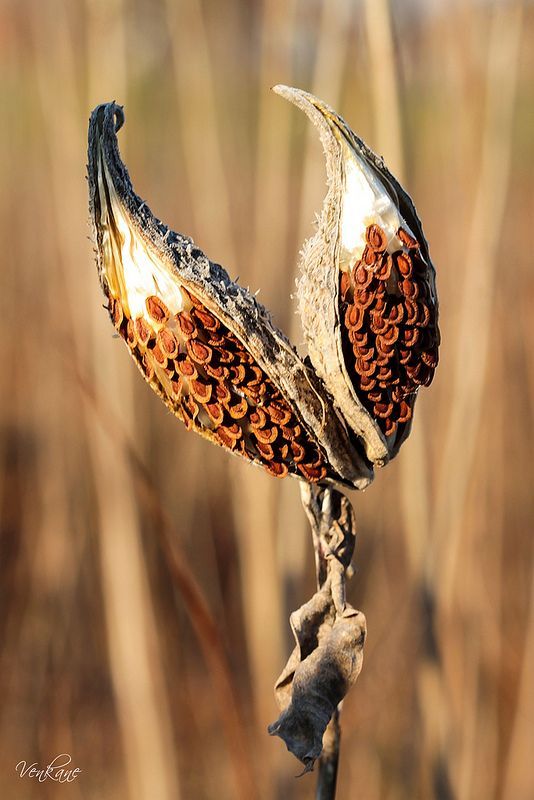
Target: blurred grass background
145	577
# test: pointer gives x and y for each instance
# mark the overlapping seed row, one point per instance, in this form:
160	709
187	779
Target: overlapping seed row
211	382
389	327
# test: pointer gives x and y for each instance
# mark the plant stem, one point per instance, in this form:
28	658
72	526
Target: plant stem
325	508
328	763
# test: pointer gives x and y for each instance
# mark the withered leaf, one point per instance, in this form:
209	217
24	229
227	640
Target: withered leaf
325	663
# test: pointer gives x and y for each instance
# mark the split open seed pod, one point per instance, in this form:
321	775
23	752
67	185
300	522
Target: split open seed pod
203	343
367	294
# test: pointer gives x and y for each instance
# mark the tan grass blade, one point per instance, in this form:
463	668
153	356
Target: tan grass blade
480	265
142	704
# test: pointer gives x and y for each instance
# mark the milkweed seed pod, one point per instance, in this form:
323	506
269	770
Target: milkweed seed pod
367	300
367	294
202	342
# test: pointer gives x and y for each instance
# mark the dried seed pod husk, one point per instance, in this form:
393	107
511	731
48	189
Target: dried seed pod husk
368	222
163	282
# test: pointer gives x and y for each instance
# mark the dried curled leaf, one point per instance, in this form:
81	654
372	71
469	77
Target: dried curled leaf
202	342
320	671
367	294
329	633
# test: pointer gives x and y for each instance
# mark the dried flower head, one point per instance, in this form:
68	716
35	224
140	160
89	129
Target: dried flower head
211	351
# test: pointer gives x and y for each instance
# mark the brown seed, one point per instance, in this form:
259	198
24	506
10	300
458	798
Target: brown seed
375	397
378	323
407	239
177	386
186	324
255	394
418	373
423	315
199	352
383	346
362	275
430	357
238	410
376	238
223	393
404	412
380	302
204	319
364	297
314	457
365	353
279	412
190	410
185	367
298	451
143	330
219	373
282	452
396	314
403	263
225	356
354	317
389	426
265	450
217	339
246	358
364	368
191	297
383	359
367	384
237	374
359	338
115	312
266	435
130	333
409	289
258	418
157	310
234	430
232	342
167	342
383	374
312	474
404	356
398	393
369	256
215	413
159	355
201	391
412	314
147	367
383	409
225	438
383	270
411	336
255	376
277	469
390	335
344	285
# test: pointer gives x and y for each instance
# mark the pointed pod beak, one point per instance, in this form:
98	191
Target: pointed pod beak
320	113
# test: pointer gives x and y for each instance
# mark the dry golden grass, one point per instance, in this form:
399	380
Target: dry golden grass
145	577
